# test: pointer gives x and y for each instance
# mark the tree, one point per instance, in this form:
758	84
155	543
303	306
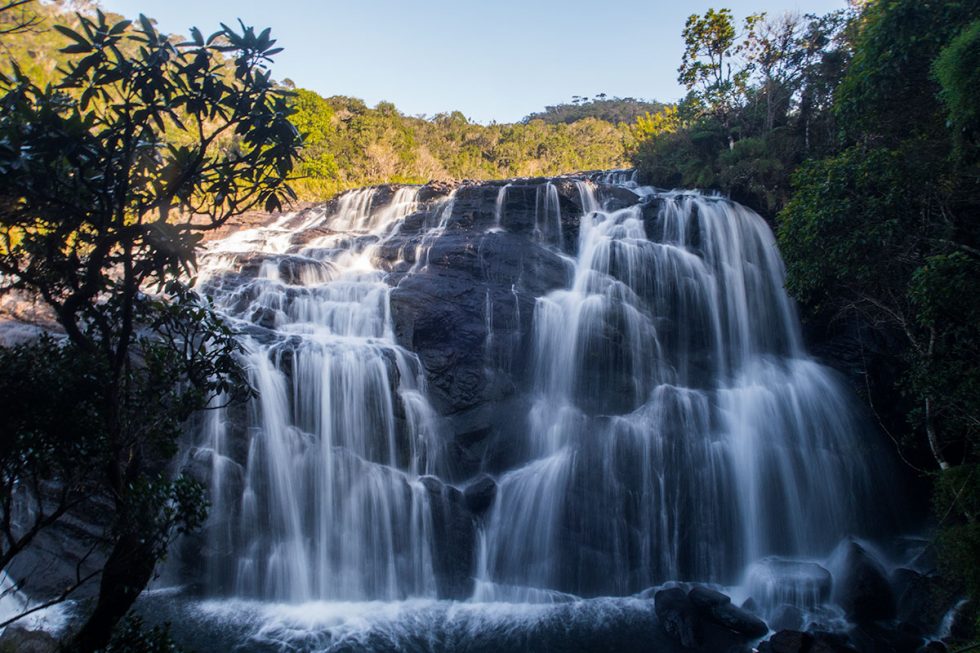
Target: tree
957	69
710	69
107	182
884	231
15	16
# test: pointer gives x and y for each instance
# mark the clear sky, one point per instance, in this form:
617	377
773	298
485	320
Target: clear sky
491	59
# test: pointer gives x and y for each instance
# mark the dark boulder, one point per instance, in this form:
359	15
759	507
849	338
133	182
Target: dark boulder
454	539
787	641
738	620
786	617
678	616
862	588
795	641
22	640
718	608
874	638
705	620
776	581
480	493
706	598
921	599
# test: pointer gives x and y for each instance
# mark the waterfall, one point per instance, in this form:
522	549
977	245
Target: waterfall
325	500
664	420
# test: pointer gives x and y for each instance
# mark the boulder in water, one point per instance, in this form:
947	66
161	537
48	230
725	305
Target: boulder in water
738	620
775	581
795	641
862	588
453	539
480	493
786	617
22	640
874	637
678	616
707	598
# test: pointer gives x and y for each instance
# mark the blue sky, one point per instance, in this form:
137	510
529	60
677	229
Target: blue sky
492	59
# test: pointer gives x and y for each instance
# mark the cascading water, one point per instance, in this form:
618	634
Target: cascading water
325	503
663	420
677	429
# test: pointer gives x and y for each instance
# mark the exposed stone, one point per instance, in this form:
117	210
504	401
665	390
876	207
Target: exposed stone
787	617
678	616
16	639
480	493
737	620
862	588
921	600
775	581
454	539
787	641
874	638
706	598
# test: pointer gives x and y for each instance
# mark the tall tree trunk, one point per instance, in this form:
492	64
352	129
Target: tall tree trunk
127	572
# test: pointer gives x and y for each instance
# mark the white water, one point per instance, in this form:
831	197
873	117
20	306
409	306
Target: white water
675	426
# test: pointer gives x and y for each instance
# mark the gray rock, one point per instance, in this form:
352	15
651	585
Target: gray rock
706	598
787	617
862	588
20	640
480	493
678	616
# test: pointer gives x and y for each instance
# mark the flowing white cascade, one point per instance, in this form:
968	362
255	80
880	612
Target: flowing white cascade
677	430
325	503
672	426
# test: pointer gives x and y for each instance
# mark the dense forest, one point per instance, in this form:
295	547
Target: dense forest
855	134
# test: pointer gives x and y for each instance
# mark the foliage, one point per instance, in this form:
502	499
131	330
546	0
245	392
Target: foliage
614	110
651	125
356	145
957	503
884	228
709	67
854	202
957	68
889	93
108	178
759	103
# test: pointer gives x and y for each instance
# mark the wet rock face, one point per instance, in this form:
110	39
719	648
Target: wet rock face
454	539
862	588
703	619
473	301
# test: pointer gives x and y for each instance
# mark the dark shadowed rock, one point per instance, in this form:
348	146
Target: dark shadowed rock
775	581
706	598
678	616
921	599
738	620
480	493
454	534
17	639
862	588
787	617
795	641
705	620
787	641
874	638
